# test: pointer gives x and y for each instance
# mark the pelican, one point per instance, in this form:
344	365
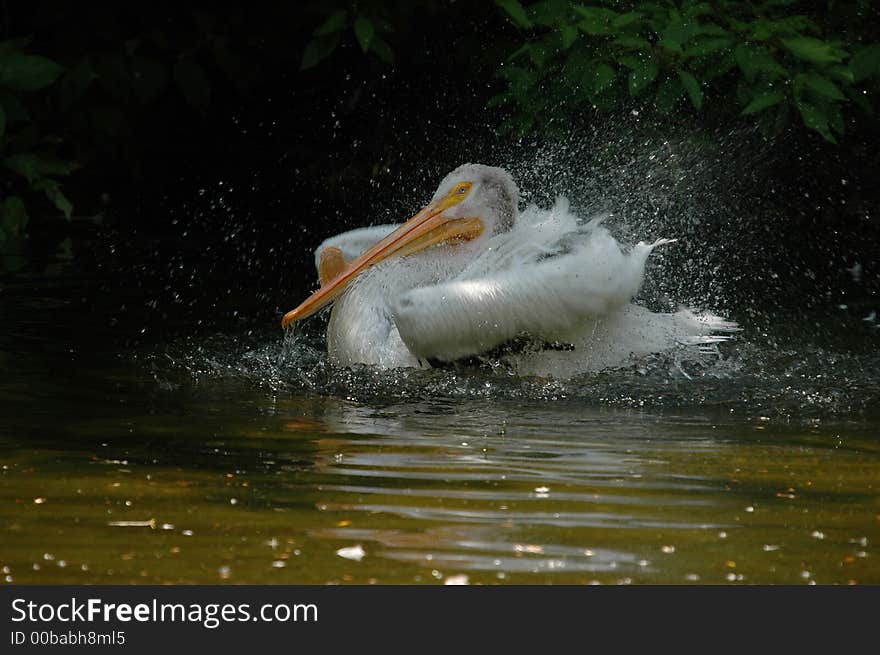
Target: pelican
471	275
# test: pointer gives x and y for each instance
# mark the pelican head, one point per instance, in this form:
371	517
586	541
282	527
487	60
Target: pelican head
472	202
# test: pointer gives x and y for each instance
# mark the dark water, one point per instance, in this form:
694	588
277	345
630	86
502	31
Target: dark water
228	457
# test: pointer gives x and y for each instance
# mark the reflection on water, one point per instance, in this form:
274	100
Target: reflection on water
197	463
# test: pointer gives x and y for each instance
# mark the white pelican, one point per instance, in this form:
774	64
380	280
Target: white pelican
469	274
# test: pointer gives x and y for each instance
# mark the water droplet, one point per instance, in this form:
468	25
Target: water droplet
460	579
355	553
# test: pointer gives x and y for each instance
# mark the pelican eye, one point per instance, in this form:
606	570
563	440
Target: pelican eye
461	190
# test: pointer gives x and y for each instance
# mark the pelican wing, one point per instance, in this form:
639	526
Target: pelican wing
355	242
549	278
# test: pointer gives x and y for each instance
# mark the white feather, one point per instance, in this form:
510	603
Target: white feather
622	337
551	276
354	242
547	277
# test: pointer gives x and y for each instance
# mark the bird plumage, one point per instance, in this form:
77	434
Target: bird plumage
542	273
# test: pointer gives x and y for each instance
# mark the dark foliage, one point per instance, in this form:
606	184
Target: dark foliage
190	155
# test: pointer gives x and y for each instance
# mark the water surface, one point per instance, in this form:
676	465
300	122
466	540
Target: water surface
228	458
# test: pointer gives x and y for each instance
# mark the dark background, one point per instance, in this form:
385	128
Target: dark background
202	207
351	613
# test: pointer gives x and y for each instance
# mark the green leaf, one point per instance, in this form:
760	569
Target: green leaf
810	49
318	49
548	13
754	60
34	166
522	50
842	73
540	52
193	83
668	94
364	31
61	202
816	119
334	23
55	196
707	47
865	63
632	43
719	66
764	29
75	82
569	35
763	101
697	10
642	74
382	50
676	33
823	86
835	119
515	10
630	61
606	101
28	72
693	88
597	21
601	78
710	30
627	19
2	121
13	216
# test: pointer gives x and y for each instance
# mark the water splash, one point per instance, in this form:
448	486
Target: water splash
714	193
783	379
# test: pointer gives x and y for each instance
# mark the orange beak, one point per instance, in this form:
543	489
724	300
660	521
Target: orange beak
427	228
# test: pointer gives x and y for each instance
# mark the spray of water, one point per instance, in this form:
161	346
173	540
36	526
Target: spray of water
686	185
